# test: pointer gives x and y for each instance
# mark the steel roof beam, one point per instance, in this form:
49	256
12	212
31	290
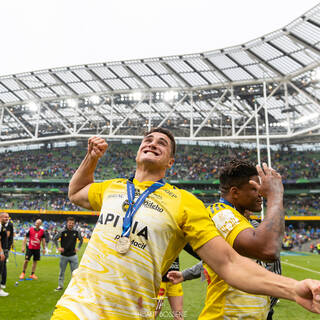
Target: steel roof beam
241	66
262	105
211	65
54	75
140	80
12	92
302	42
172	110
55	114
306	94
196	71
286	54
17	120
263	62
98	79
210	113
171	70
124	120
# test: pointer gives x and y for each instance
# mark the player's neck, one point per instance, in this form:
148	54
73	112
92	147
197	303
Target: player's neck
149	175
234	203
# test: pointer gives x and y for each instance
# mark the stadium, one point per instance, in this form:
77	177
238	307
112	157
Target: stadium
257	101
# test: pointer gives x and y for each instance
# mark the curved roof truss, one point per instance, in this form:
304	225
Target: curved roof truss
272	82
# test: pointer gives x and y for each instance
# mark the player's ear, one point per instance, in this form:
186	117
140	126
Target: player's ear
234	192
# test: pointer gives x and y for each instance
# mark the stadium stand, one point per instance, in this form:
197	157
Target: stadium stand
38	179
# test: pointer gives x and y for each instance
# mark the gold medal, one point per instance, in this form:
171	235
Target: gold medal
125	206
123	245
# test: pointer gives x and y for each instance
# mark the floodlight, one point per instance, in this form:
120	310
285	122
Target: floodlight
316	74
170	95
137	95
94	99
72	103
33	107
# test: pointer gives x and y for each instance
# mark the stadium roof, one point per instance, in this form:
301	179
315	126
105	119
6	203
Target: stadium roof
216	95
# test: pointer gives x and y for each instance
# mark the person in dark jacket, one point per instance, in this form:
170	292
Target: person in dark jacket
67	247
7	244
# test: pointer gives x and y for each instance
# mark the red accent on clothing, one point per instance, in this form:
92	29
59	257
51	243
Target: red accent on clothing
161	292
206	274
35	237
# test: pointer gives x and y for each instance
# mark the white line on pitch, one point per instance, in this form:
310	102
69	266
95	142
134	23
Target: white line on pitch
296	266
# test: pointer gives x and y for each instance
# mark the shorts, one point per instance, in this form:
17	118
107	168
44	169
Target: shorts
168	289
33	252
62	313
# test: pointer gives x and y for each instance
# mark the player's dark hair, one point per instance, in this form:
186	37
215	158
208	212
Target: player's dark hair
168	133
71	219
235	174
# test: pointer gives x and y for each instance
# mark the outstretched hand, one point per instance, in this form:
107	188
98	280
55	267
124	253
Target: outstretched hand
175	276
271	181
97	146
308	294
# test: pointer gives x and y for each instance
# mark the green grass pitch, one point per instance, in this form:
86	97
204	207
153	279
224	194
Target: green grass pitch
35	299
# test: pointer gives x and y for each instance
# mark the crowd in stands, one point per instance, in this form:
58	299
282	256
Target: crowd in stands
34	201
53	227
302	205
297	237
294	205
192	162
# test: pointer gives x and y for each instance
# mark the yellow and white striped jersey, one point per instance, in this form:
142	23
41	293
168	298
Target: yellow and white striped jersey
110	285
222	300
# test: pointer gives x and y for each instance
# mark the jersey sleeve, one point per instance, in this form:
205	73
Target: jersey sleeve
95	194
196	224
229	223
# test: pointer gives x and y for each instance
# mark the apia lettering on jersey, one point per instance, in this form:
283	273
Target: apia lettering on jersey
110	218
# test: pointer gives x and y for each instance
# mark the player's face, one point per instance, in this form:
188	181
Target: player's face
249	197
5	218
155	149
70	224
38	223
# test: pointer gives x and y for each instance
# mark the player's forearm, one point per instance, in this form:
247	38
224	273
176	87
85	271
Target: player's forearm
243	273
271	230
261	280
83	176
193	273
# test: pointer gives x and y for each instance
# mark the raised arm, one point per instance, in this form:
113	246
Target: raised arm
248	276
264	242
84	176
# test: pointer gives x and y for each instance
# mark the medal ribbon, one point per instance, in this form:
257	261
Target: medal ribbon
134	206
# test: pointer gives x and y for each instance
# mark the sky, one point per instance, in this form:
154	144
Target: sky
41	34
